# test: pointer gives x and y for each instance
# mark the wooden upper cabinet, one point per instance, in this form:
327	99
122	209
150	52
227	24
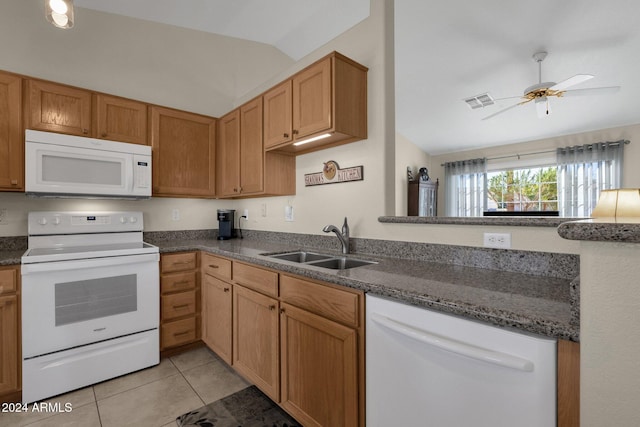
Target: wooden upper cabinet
228	155
278	127
244	169
183	153
120	119
312	100
58	108
11	135
327	97
251	148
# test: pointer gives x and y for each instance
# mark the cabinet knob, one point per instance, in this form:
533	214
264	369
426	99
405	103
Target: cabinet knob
295	131
226	289
272	307
235	190
213	266
85	131
282	311
286	135
104	134
14	182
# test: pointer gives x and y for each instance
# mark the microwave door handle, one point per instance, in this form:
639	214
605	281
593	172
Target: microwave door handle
132	174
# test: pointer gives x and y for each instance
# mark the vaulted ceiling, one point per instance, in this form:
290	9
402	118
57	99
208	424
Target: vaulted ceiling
449	50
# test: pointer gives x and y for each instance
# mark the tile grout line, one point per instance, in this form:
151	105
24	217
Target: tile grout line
95	397
190	385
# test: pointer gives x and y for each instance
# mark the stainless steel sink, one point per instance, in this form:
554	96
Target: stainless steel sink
301	256
342	263
320	260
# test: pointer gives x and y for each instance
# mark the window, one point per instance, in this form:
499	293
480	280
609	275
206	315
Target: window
570	185
520	190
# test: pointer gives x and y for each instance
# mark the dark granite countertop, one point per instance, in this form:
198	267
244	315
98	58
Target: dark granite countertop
537	304
511	221
602	230
11	257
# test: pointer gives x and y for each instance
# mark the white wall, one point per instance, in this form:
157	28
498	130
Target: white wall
609	335
407	155
156	63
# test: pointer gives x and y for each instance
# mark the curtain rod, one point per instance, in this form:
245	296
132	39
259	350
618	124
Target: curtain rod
622	141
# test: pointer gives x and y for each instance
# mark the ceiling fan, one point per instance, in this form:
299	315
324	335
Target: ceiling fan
542	91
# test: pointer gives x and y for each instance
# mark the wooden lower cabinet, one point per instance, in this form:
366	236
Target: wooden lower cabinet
179	299
9	333
216	316
568	384
255	339
319	360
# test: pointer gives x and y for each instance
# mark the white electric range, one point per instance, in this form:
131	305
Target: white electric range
90	300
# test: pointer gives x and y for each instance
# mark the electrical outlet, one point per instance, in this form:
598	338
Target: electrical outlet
497	240
245	214
175	215
288	213
3	216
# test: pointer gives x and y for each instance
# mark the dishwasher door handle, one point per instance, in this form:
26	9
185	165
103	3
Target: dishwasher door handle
458	347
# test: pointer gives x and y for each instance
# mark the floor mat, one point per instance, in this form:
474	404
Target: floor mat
246	408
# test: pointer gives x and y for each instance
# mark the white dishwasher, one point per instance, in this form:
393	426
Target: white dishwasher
430	369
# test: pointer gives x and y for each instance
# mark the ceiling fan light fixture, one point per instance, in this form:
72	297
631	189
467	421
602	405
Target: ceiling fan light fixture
479	101
543	108
59	13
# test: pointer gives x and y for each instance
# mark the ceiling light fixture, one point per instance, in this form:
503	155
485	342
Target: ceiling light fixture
315	138
59	13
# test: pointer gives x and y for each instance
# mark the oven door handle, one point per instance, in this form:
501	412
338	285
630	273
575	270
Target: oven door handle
82	264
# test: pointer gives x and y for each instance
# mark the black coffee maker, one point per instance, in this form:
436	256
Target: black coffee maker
226	219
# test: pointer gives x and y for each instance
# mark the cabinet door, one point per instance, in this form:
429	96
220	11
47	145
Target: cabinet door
251	148
8	344
183	153
277	115
255	339
58	108
120	119
11	136
312	100
216	316
228	155
319	369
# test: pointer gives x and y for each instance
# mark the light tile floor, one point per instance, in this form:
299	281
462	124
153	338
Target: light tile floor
153	397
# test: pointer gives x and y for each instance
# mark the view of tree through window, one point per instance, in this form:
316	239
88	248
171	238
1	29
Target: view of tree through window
531	189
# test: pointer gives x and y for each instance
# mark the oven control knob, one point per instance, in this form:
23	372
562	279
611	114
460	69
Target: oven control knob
133	219
42	221
56	221
123	220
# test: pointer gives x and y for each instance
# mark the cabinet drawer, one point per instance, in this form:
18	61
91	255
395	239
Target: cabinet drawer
178	305
256	278
178	332
177	282
332	303
216	266
8	280
178	262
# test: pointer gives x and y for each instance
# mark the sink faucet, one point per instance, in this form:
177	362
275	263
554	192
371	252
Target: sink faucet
342	236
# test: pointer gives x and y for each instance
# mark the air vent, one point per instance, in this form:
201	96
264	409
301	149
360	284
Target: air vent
479	101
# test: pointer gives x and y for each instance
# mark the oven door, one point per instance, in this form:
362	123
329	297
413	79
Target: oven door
71	303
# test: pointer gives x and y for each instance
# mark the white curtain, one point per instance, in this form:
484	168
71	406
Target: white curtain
465	187
584	171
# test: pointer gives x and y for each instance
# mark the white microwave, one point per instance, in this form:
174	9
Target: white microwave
65	165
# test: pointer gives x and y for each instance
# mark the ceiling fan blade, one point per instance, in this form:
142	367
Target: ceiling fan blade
502	111
508	97
571	81
591	91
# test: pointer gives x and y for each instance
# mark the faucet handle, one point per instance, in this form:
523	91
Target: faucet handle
345	228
